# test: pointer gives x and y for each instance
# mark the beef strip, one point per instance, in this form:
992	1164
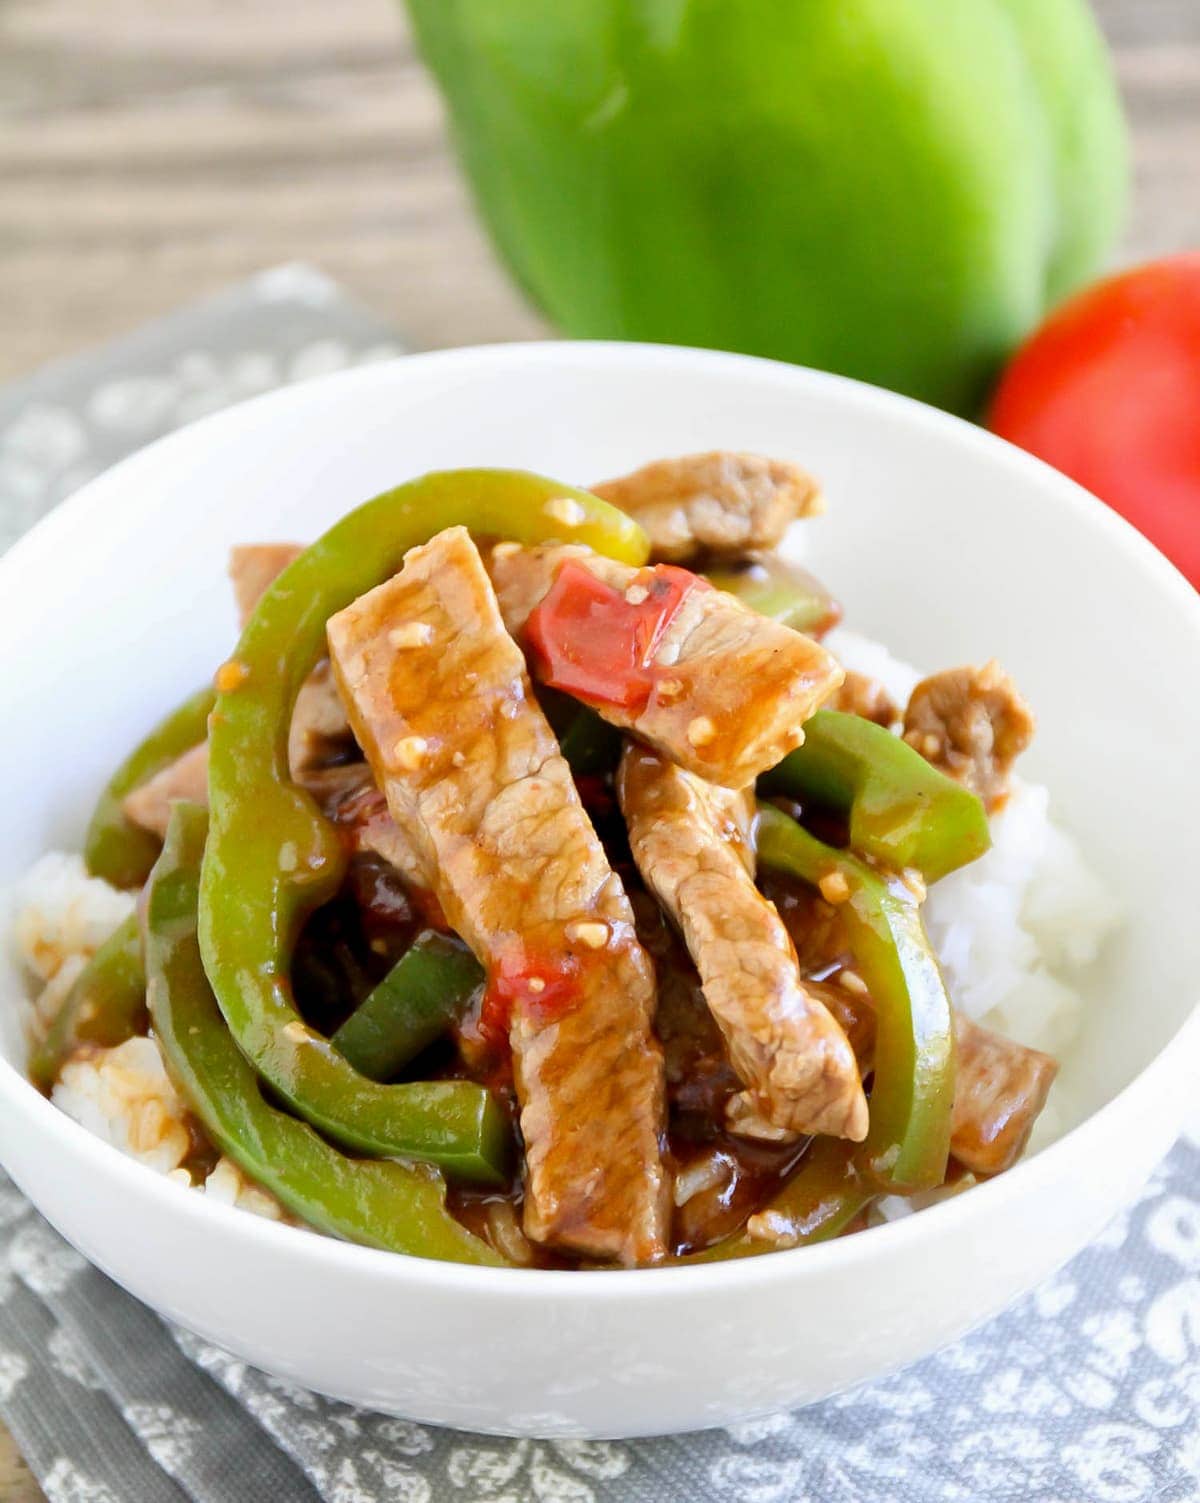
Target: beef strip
253	567
860	695
731	689
1001	1089
973	724
718	503
149	805
691	842
473	776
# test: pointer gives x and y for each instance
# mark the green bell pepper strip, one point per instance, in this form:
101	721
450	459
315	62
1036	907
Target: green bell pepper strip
106	1005
399	1207
777	588
819	1202
272	857
428	987
114	848
590	745
902	811
908	1142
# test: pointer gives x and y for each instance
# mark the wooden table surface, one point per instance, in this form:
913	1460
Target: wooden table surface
151	153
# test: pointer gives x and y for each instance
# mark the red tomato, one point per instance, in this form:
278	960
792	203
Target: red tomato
594	642
1108	391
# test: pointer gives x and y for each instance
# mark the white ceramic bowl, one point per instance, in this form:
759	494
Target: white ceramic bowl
944	541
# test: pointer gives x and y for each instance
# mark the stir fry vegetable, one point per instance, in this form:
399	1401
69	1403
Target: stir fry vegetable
777	588
901	811
411	1007
106	1005
913	1096
115	848
271	856
819	1202
395	1206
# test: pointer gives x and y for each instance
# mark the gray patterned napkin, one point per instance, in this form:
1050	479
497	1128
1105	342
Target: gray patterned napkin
1086	1391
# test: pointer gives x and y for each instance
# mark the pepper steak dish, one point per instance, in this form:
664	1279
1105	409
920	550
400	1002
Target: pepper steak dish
534	887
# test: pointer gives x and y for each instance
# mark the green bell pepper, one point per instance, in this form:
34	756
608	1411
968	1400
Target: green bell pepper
428	987
775	587
272	857
398	1207
106	1005
820	1201
893	189
114	848
912	1097
902	811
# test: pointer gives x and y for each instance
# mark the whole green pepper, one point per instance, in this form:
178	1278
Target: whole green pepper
893	189
114	848
902	811
395	1206
908	1141
272	857
106	1005
414	1004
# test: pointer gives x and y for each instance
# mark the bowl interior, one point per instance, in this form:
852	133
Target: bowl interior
943	542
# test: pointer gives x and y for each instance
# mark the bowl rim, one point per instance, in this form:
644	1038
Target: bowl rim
330	1255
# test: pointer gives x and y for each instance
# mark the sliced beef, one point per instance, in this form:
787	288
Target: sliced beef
973	724
1001	1089
319	731
255	566
440	701
718	503
729	689
860	695
149	805
691	844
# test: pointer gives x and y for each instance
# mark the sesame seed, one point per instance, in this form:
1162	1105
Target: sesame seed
701	731
230	676
931	746
852	982
297	1032
587	932
458	759
636	594
536	984
668	690
410	634
565	509
915	883
289	856
834	887
770	1226
409	752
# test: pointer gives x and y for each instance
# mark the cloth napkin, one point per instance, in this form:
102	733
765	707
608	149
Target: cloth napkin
1086	1391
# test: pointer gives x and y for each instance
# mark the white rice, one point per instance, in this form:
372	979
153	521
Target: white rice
1015	931
62	912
